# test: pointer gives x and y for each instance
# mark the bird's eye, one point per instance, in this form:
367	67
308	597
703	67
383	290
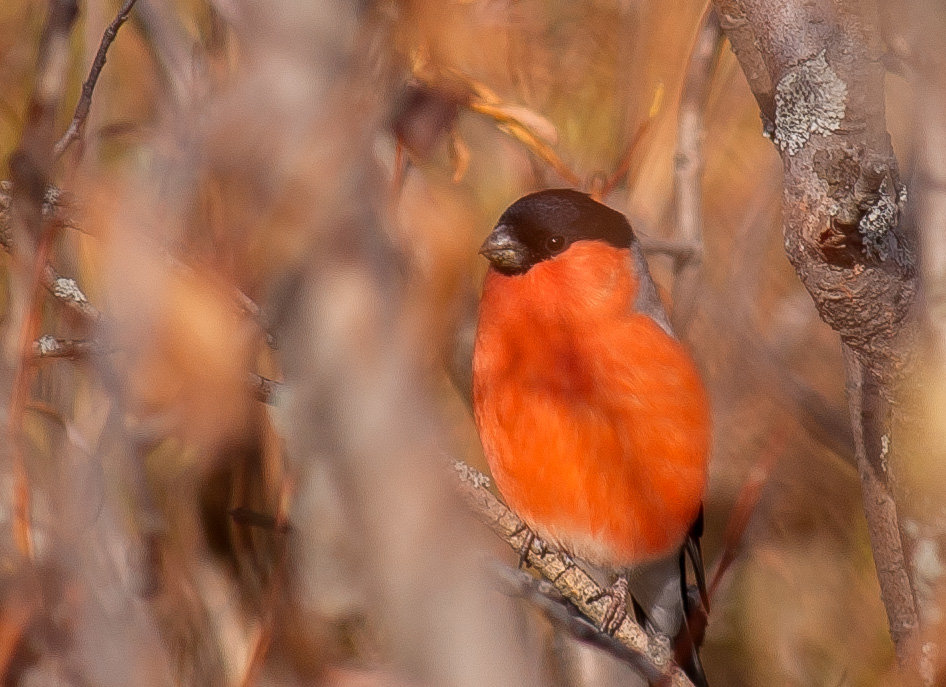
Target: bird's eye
555	243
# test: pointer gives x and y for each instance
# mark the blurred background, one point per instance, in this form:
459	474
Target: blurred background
298	191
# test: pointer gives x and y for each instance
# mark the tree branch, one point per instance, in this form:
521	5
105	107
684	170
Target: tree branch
565	575
870	416
843	194
815	70
562	613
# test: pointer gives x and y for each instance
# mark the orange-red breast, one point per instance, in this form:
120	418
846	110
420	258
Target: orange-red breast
592	415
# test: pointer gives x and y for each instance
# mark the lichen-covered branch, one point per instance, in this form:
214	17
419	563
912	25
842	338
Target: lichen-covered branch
48	346
565	575
64	289
815	70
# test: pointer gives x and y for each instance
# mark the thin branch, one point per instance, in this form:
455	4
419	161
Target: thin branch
688	167
743	510
248	307
67	291
442	91
826	423
74	132
870	416
276	587
563	573
513	124
263	389
18	610
563	614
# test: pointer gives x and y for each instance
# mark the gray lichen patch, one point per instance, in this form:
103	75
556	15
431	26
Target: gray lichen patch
46	344
67	289
880	217
809	99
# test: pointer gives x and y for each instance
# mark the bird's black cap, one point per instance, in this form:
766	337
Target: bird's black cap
541	225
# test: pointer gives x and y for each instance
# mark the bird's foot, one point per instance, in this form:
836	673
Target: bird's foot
531	544
616	611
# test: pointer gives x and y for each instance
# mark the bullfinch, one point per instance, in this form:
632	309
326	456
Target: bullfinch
592	415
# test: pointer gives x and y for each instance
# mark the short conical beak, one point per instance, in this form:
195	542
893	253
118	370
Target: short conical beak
503	250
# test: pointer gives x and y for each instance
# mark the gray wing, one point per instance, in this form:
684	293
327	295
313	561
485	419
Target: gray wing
647	301
662	604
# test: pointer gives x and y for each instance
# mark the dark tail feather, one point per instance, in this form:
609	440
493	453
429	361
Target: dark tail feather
695	551
696	608
687	657
688	640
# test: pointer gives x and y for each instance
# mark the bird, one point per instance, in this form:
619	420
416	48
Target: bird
592	415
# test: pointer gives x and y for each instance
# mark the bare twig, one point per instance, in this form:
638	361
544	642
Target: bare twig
276	587
440	94
31	164
564	574
77	124
743	510
826	423
688	167
19	397
515	127
14	622
248	307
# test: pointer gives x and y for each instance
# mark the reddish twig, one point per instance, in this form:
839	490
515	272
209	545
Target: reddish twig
276	586
67	291
20	394
74	132
623	168
743	510
676	250
14	621
64	289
